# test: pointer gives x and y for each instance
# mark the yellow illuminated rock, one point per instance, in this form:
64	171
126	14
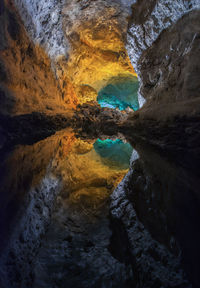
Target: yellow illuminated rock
96	32
32	81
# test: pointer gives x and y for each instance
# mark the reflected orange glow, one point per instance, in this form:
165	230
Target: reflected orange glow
87	180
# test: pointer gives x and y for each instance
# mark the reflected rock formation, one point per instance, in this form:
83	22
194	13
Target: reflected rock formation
114	152
52	185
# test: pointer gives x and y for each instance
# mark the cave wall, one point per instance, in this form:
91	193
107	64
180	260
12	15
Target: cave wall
70	57
96	31
27	81
43	22
147	22
169	82
158	201
72	33
163	47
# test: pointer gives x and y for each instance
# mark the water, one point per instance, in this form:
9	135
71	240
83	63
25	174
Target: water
63	223
56	205
114	153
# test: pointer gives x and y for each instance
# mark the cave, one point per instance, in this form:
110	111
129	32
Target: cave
99	143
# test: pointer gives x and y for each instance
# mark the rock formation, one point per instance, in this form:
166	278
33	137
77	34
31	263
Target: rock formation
27	81
60	53
159	192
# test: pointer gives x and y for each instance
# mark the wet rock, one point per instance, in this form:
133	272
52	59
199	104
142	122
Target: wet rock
93	120
153	263
30	128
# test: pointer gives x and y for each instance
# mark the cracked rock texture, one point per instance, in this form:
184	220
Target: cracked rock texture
28	196
150	19
28	81
161	190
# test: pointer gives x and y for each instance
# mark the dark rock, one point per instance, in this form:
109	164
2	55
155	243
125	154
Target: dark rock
13	26
93	120
30	128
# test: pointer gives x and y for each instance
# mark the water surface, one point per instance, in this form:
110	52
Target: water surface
56	206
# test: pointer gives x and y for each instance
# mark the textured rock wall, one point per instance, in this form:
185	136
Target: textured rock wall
148	209
72	33
68	42
169	69
43	22
27	82
96	31
160	194
149	20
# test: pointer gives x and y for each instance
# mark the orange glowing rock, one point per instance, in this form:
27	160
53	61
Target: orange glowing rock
33	82
96	33
29	82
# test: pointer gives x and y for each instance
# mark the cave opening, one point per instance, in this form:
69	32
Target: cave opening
120	93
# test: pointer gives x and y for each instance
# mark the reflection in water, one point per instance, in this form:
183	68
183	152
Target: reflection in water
90	171
85	174
56	226
114	152
84	167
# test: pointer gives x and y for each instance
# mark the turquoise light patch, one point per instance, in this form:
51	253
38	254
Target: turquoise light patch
120	93
114	152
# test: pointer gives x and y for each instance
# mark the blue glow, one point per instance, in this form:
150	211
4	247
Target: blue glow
120	93
114	152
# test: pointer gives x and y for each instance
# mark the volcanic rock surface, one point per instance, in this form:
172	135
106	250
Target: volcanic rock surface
162	184
27	81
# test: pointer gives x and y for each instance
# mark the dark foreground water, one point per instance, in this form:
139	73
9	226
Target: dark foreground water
55	227
72	214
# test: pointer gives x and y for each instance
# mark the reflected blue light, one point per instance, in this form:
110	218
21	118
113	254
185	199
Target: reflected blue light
114	152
